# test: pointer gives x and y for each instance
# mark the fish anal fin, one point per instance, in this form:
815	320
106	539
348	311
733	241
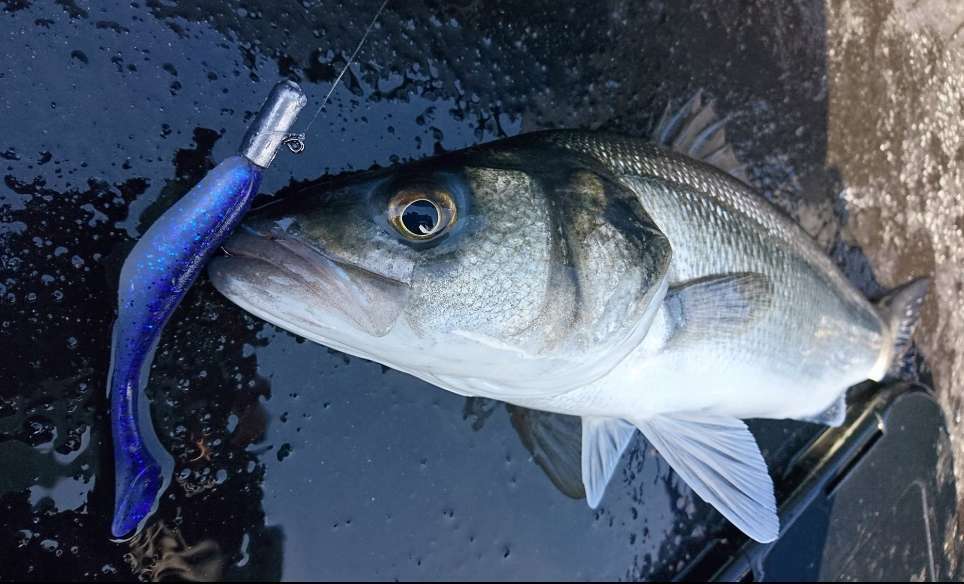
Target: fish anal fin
719	459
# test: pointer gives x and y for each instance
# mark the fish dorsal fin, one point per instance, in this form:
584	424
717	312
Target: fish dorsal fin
719	459
554	442
834	415
716	306
696	131
603	443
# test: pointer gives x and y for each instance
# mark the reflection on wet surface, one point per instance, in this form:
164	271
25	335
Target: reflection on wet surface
160	553
896	135
296	461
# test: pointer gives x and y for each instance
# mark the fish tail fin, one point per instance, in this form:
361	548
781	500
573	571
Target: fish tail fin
900	311
697	131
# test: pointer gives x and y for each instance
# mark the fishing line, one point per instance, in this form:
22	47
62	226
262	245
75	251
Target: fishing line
296	142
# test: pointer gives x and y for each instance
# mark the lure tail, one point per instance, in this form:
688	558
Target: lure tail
156	275
142	467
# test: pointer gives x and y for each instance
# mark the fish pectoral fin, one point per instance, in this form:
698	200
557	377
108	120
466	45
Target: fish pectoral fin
716	306
603	443
719	459
832	416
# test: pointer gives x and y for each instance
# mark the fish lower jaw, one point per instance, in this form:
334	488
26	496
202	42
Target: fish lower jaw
236	293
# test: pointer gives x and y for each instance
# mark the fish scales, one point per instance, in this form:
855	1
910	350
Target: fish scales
584	274
717	225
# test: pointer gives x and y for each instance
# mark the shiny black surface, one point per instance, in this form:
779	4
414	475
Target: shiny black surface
294	461
872	500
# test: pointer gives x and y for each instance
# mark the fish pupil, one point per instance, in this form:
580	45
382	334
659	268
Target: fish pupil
421	217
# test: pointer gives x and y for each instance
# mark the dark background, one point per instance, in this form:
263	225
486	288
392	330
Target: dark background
297	461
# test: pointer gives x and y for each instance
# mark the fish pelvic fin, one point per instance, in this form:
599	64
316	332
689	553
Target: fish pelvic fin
900	311
554	440
698	132
719	459
603	442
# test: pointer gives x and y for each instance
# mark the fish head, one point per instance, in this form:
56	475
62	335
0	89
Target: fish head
506	272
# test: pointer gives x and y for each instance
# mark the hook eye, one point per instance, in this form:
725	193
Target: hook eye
295	143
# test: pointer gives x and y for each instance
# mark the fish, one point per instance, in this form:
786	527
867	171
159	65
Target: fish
638	283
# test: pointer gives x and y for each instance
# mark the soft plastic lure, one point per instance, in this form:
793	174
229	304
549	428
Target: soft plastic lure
158	273
155	277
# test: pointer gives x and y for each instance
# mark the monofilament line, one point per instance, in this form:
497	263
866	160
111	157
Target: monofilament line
351	59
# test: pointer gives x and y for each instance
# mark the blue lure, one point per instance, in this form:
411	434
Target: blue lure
156	275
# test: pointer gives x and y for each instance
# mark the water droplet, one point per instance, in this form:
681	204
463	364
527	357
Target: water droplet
284	452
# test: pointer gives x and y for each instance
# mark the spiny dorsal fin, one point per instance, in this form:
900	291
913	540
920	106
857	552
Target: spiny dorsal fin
719	459
696	131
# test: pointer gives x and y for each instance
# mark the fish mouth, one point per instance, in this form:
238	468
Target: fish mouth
299	287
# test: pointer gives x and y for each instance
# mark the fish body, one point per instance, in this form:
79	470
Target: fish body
580	273
803	332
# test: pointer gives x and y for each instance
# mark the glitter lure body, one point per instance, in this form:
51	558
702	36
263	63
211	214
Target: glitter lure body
156	275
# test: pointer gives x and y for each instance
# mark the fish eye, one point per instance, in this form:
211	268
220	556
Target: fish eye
422	213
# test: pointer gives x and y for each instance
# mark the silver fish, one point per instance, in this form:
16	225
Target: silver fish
630	282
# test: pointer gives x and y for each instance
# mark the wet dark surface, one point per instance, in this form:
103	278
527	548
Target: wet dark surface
295	461
869	500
